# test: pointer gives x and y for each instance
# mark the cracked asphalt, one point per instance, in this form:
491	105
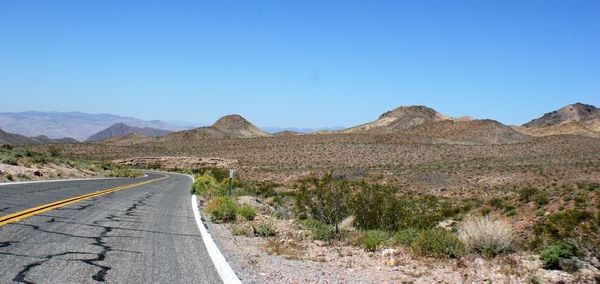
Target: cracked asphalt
144	234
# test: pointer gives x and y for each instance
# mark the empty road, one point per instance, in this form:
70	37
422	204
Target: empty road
141	234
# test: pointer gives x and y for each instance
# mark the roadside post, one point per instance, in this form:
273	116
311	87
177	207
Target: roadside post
231	172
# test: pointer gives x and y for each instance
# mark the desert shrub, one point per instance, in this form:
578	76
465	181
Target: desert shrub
10	177
405	236
261	189
324	199
496	203
247	212
222	209
11	161
565	224
526	194
377	207
318	229
264	229
541	199
218	173
576	226
372	239
437	242
486	236
241	230
125	173
553	255
207	186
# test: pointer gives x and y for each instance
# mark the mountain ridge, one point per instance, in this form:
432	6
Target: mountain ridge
121	129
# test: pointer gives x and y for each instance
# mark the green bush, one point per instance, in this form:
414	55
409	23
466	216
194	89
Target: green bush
318	229
437	242
324	199
241	230
222	209
405	236
207	186
218	174
554	254
11	161
372	239
125	173
526	194
264	229
247	212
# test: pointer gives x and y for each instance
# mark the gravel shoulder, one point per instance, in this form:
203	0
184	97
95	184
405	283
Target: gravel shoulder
285	259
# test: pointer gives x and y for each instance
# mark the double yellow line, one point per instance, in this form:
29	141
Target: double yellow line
47	207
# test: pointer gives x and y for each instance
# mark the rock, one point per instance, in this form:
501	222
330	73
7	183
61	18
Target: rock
392	262
388	252
479	263
447	224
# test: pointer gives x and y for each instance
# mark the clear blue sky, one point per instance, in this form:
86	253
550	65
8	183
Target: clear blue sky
299	63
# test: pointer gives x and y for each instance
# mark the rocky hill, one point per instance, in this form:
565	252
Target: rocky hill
121	129
230	126
471	131
238	127
399	119
77	125
575	112
17	139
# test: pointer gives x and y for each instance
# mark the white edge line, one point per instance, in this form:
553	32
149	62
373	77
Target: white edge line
227	274
60	180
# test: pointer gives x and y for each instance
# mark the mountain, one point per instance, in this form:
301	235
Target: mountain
399	119
574	112
484	131
121	129
77	125
17	139
230	126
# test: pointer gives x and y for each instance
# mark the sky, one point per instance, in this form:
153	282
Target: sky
308	64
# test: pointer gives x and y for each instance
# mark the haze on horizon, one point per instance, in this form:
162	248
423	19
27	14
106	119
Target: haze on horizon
289	64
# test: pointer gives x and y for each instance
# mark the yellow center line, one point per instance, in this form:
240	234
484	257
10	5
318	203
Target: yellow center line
47	207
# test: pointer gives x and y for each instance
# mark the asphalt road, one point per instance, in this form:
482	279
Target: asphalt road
144	234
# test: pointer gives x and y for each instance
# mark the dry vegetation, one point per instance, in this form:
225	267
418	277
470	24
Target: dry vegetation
544	189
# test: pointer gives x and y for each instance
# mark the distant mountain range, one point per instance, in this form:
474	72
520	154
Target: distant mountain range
16	139
77	125
576	119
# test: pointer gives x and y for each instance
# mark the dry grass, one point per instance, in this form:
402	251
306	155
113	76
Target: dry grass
486	235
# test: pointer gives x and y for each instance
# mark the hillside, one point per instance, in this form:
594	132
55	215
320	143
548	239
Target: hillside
231	126
470	131
121	129
17	139
589	129
575	112
77	125
399	119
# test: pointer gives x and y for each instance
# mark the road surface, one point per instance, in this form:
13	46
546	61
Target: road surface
141	234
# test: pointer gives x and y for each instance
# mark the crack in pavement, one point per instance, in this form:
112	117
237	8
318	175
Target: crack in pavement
20	277
99	241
